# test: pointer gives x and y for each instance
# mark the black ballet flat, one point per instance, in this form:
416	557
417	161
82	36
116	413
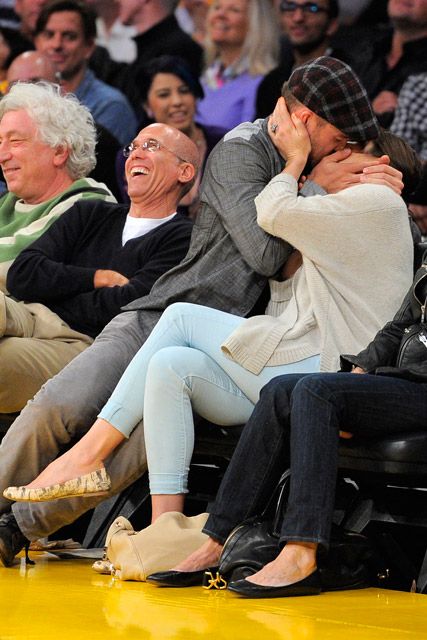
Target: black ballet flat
184	578
309	586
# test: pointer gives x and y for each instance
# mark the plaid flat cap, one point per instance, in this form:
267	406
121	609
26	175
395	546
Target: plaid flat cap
331	89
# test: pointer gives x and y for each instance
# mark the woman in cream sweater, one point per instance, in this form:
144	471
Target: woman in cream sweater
356	265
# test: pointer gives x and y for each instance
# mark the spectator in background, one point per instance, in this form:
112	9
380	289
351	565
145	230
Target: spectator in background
410	118
111	33
170	92
32	66
28	12
191	16
158	33
38	122
410	122
386	59
242	45
66	31
308	27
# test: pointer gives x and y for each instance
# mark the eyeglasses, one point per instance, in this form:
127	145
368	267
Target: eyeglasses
152	145
306	7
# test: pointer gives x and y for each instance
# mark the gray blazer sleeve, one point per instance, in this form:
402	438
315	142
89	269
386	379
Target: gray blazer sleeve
237	171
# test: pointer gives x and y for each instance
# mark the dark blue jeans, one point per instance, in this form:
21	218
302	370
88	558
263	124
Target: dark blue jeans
296	424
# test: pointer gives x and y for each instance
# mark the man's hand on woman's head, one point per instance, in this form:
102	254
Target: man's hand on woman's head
383	173
290	137
341	169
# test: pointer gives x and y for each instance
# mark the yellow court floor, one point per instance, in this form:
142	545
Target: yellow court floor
63	599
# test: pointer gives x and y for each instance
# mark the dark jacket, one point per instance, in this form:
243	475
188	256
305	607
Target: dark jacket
380	355
372	69
165	37
58	269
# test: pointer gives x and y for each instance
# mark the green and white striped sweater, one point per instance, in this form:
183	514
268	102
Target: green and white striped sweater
21	224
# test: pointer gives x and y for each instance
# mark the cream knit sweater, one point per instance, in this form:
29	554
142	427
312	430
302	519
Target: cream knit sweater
357	266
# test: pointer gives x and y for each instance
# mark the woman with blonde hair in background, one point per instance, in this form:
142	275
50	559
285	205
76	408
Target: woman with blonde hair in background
241	46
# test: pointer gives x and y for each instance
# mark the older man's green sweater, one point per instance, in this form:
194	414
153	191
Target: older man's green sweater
21	224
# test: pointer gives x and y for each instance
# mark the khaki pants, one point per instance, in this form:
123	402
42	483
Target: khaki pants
35	344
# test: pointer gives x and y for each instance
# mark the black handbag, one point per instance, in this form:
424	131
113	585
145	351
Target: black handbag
350	563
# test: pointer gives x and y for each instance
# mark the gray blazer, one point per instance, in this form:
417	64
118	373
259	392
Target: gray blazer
230	257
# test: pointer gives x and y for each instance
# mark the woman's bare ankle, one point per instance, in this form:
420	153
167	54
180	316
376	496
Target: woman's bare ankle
295	562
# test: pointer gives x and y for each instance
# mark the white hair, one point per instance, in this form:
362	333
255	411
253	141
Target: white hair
260	50
60	120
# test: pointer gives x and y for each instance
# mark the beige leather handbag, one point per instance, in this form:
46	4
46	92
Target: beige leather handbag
137	554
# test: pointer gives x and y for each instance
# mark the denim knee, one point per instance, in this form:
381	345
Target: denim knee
277	393
323	385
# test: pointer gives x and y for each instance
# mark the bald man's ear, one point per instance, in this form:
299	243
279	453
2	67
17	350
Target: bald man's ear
187	172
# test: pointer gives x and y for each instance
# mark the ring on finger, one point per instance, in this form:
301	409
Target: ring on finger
274	127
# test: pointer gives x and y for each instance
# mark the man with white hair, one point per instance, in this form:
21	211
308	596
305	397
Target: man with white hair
37	122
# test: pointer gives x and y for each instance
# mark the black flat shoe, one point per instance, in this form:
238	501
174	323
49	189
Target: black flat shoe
181	578
309	586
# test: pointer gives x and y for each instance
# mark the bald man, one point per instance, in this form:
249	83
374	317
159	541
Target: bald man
32	66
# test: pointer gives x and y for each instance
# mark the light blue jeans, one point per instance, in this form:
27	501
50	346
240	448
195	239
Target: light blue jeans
181	369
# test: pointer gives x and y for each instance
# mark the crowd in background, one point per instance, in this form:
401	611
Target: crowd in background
225	63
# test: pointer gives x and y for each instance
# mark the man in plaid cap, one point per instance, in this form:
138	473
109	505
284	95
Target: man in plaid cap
331	90
227	267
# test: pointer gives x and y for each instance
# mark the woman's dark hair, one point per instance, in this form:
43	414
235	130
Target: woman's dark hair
402	157
168	64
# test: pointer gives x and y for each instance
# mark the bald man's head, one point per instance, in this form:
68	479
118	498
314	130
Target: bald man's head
31	66
178	143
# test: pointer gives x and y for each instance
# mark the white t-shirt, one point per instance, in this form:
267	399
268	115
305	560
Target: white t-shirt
137	227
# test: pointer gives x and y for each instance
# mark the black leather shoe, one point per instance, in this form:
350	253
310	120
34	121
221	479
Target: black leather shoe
309	586
12	540
178	578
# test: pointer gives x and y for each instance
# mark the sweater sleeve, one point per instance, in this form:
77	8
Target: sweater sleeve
313	224
90	311
43	272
